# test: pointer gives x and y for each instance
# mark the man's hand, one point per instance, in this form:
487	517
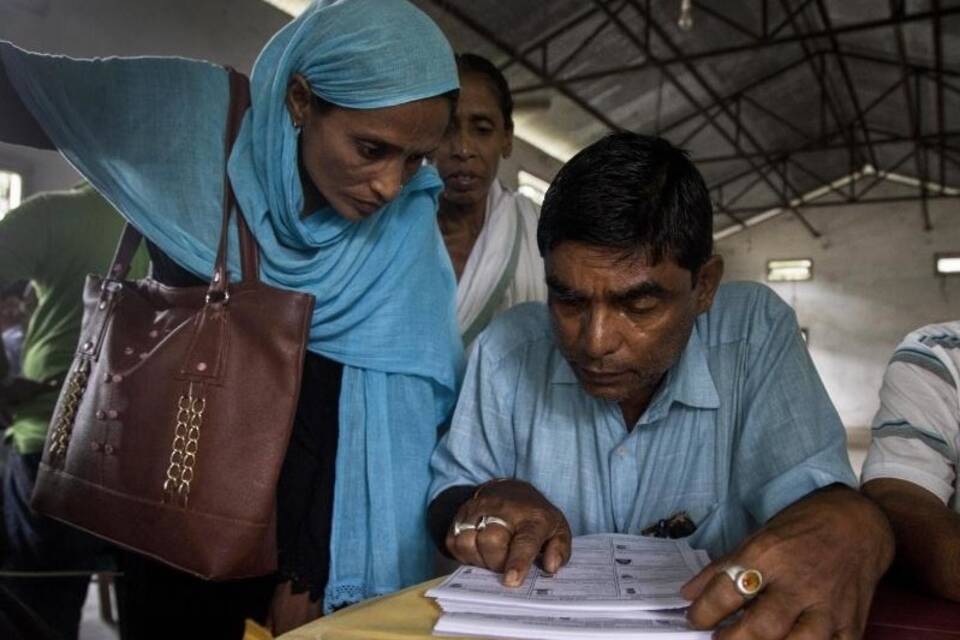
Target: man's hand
821	559
533	525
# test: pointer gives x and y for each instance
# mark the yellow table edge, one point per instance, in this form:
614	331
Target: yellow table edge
404	615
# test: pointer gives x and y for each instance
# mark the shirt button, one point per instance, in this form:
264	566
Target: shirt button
622	452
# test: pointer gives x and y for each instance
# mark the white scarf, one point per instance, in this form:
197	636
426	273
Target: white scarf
504	267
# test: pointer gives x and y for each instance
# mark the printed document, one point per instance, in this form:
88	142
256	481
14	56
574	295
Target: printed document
614	586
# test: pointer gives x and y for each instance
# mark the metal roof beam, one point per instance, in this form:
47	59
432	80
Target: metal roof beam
586	42
791	14
820	205
733	96
880	177
696	130
847	79
922	162
756	46
727	20
819	144
713	95
820	180
551	35
777	117
747	188
913	110
913	64
927	140
938	65
820	78
492	38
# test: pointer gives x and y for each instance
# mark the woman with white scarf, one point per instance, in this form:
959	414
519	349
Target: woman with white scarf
490	232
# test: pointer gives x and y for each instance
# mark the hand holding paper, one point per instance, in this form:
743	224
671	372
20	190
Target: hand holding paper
533	525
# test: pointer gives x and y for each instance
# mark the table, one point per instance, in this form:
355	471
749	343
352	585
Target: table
898	613
405	615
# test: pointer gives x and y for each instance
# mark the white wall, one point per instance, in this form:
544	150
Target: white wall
873	283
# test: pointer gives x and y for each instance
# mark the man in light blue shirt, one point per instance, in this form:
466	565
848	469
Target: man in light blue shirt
646	398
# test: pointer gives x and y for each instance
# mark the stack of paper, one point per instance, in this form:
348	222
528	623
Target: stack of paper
615	586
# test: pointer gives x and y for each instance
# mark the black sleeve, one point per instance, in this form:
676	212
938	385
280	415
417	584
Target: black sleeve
442	510
165	270
17	124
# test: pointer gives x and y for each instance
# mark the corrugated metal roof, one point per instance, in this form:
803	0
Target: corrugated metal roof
773	98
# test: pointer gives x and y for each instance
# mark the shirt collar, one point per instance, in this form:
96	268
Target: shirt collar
688	382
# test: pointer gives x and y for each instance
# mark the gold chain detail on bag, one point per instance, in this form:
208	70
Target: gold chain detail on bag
186	441
64	425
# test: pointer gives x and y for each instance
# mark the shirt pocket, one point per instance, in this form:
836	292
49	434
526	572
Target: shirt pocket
697	505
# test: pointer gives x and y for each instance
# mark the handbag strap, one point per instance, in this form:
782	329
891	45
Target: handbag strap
249	250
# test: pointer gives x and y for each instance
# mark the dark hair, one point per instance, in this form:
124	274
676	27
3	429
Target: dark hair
631	192
472	63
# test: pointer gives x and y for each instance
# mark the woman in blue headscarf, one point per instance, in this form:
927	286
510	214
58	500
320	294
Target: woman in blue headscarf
346	101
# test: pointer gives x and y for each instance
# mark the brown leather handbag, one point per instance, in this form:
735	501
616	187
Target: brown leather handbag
174	419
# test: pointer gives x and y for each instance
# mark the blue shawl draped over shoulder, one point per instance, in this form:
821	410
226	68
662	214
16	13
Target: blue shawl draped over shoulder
148	133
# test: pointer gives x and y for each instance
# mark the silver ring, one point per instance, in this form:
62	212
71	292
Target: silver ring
748	582
460	527
486	521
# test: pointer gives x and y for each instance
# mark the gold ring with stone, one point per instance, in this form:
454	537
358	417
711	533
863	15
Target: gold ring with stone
748	582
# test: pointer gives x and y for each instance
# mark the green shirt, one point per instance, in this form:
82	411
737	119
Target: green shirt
54	240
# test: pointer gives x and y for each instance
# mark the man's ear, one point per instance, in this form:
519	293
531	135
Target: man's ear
708	279
299	96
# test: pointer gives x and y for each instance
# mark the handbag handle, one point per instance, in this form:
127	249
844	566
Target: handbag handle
249	250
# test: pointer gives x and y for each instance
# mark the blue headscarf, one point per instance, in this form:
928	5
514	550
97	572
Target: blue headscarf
148	132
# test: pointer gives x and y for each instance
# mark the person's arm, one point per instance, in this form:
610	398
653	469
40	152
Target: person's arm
24	238
25	241
473	474
910	470
821	559
927	533
821	546
159	162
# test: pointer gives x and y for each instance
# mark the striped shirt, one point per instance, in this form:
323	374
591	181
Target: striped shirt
916	432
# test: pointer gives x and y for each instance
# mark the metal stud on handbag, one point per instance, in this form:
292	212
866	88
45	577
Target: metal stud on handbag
172	425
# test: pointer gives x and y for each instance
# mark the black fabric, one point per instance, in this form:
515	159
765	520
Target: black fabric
157	602
305	490
442	510
17	124
168	272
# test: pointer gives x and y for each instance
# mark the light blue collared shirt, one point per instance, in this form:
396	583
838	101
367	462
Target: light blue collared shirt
740	428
